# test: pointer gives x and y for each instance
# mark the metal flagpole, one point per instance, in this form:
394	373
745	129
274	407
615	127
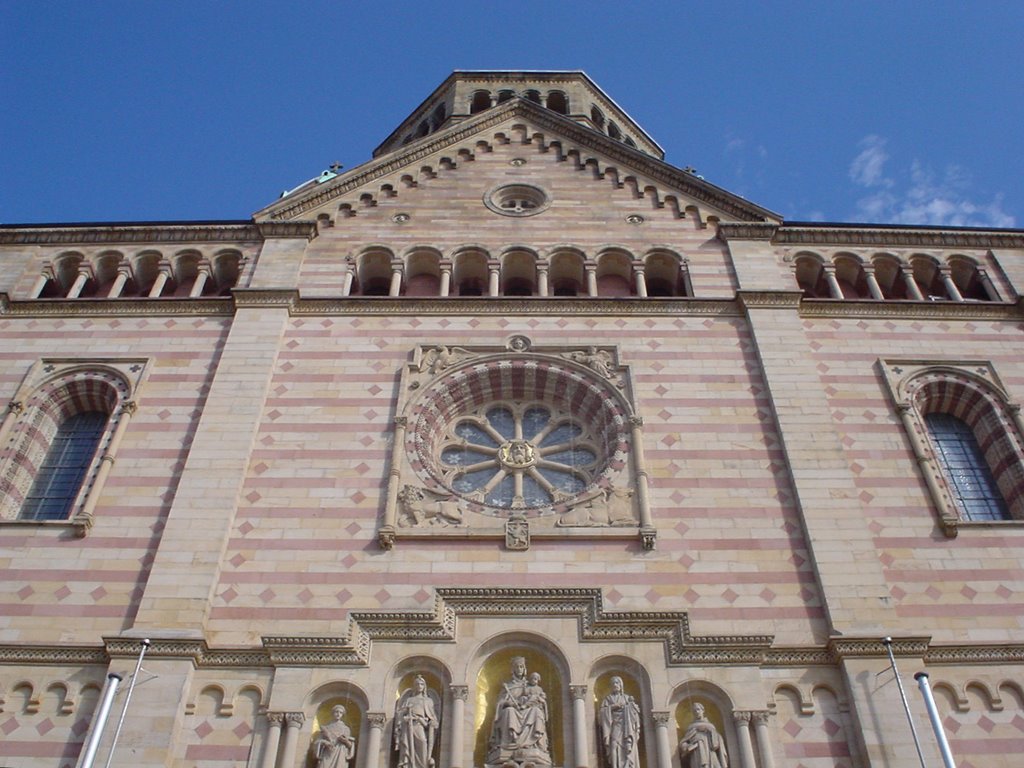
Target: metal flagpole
887	642
933	715
100	722
127	698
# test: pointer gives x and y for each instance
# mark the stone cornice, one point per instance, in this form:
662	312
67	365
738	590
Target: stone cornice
171	232
596	626
236	233
874	236
769	299
511	306
657	170
213	307
265	297
918	310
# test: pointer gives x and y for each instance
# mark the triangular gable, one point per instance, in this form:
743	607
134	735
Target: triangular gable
584	146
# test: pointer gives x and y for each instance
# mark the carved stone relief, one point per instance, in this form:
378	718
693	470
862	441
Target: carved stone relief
485	435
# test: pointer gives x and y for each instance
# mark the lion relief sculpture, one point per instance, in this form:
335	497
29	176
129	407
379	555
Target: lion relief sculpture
419	507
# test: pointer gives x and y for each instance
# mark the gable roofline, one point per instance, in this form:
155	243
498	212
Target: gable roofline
505	75
303	201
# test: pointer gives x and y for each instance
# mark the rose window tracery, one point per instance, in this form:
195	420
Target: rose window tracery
532	433
518	456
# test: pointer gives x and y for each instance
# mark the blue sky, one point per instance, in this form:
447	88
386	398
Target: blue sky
888	112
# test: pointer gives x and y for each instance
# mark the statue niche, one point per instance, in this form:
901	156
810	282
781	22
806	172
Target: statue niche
333	746
519	732
417	718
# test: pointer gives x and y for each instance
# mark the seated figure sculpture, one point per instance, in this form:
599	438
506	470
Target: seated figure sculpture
519	732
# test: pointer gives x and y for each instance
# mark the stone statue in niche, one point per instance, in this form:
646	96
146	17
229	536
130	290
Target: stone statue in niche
519	732
420	507
417	717
702	746
334	745
619	718
601	507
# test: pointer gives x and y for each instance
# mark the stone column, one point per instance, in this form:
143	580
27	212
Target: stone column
292	723
161	279
459	695
579	724
591	269
542	280
947	280
742	720
446	278
107	462
124	273
84	275
641	282
764	744
14	409
833	282
636	424
386	535
45	276
396	278
493	278
347	279
988	285
376	721
274	721
661	721
873	287
204	271
912	287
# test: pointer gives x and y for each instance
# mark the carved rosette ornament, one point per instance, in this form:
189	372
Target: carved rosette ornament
486	435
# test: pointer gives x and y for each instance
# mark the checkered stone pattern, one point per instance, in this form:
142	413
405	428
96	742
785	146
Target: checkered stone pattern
220	728
813	739
45	717
983	723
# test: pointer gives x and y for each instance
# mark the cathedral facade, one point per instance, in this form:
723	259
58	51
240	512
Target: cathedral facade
513	446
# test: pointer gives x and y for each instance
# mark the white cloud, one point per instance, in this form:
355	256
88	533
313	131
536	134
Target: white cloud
920	195
867	168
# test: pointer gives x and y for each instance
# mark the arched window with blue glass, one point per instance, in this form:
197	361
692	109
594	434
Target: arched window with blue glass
965	432
963	464
68	459
69	423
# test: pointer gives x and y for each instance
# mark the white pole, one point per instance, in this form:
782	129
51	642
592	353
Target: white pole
100	721
887	642
933	714
127	698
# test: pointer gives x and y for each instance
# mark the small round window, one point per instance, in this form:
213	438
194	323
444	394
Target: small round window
517	200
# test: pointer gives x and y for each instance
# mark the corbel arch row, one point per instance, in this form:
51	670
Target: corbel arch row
638	187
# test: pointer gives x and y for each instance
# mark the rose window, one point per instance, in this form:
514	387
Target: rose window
518	456
527	434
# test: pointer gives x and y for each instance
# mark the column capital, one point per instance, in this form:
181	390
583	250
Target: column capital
460	692
578	691
661	719
376	719
740	716
760	717
294	719
16	406
275	719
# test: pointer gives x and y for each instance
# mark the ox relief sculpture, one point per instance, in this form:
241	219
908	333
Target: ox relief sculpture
487	435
